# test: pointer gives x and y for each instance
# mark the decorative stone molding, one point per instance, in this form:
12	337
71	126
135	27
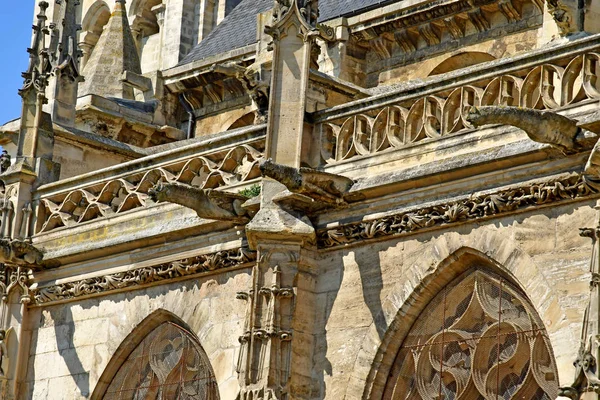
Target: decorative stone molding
14	278
468	210
439	22
140	277
433	116
105	199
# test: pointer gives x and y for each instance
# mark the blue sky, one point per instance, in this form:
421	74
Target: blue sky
15	37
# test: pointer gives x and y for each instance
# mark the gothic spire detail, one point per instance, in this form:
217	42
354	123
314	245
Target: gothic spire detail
37	74
114	54
586	365
64	55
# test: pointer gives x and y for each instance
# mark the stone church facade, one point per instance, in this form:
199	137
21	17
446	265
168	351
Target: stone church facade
302	199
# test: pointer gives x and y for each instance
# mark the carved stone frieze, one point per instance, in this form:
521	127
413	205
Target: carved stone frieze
142	276
476	207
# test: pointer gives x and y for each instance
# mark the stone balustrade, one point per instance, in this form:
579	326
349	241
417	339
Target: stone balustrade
554	78
227	160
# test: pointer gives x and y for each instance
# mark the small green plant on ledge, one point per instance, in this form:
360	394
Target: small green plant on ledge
251	192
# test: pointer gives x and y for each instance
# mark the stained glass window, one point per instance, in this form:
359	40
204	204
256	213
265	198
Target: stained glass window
477	339
168	364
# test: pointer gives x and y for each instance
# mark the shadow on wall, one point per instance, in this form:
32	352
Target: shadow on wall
372	285
69	353
371	280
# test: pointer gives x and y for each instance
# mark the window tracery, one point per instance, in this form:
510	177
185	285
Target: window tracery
477	339
168	364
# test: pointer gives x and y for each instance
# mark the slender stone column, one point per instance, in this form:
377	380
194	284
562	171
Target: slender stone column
277	347
586	385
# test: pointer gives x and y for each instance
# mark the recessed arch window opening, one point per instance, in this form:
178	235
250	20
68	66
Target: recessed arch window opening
479	338
168	364
461	60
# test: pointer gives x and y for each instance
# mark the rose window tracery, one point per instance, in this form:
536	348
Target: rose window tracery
477	339
168	364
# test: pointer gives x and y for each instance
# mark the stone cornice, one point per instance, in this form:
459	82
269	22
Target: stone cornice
440	21
477	207
142	277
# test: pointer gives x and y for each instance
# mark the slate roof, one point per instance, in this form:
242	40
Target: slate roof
238	29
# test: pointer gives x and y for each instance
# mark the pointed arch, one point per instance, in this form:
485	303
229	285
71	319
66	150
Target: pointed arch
161	355
464	263
92	25
461	60
245	120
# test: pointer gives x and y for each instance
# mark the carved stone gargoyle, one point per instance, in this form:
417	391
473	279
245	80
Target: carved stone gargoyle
322	187
208	203
20	253
541	126
5	161
586	378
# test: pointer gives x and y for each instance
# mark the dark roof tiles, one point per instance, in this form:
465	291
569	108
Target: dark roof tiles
238	29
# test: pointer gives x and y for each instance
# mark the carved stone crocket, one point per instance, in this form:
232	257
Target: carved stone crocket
208	203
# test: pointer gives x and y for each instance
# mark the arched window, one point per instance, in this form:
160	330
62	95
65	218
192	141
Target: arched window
167	364
146	19
93	23
479	338
246	120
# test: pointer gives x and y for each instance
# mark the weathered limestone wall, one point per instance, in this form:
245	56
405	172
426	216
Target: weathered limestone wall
79	159
72	344
541	249
220	122
150	53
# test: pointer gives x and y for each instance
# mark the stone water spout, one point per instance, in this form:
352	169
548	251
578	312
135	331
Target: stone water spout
320	186
541	126
208	203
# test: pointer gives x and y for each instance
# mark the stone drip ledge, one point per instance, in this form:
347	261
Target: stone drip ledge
138	278
481	206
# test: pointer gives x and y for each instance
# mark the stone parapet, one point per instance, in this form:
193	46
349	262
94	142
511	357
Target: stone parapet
555	78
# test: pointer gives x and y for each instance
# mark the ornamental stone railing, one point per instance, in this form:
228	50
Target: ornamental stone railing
221	162
554	78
